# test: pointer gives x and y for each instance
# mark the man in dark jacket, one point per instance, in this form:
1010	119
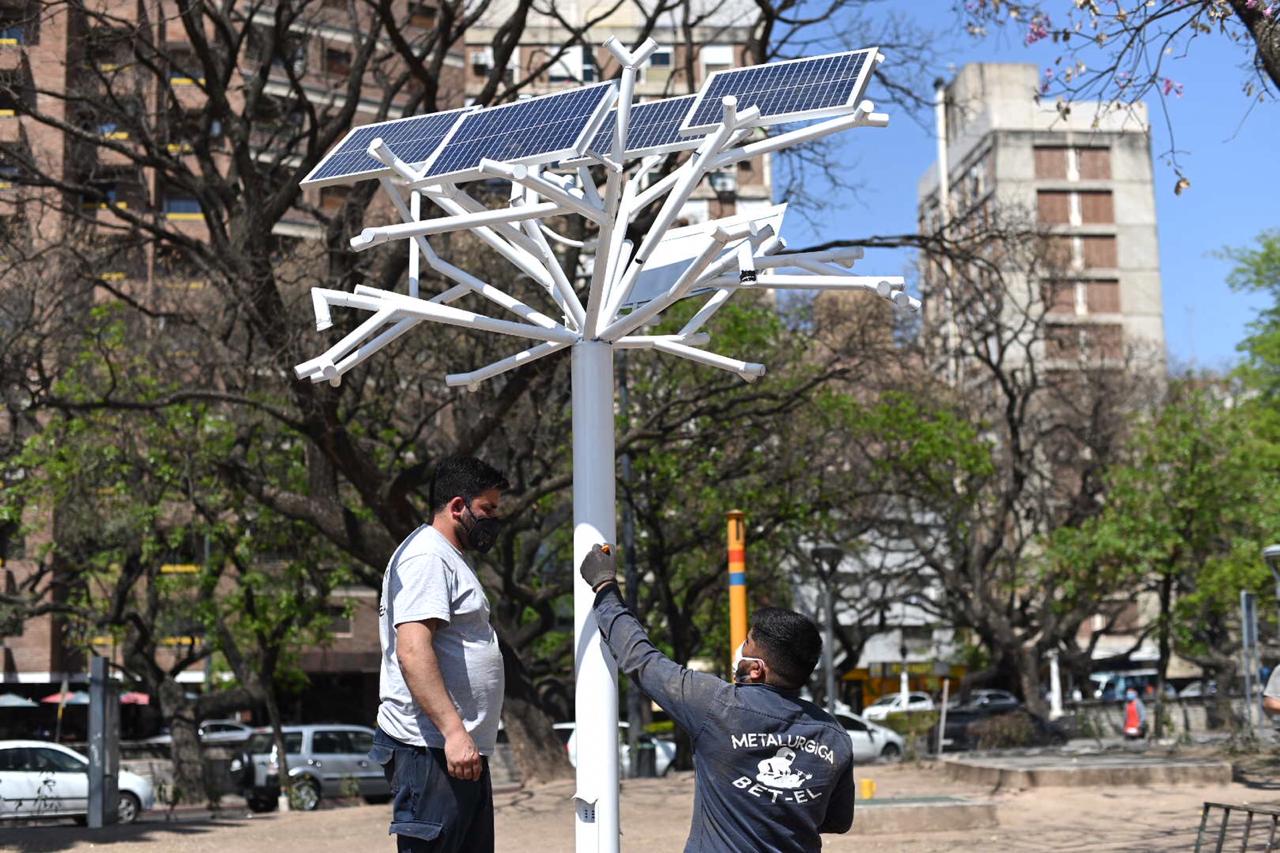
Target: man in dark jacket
772	771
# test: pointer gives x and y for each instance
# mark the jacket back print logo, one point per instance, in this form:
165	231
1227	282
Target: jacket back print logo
777	778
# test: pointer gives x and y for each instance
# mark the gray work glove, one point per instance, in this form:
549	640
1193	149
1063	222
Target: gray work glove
599	567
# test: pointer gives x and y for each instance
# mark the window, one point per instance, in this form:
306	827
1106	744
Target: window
715	57
482	61
1053	208
184	69
1094	164
333	198
178	203
19	24
568	67
1103	297
1060	297
422	15
339	621
661	58
361	742
850	724
590	71
1097	208
55	761
329	743
1051	163
1099	252
337	62
292	743
12	759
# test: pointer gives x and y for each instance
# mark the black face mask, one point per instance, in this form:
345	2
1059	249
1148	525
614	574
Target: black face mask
483	532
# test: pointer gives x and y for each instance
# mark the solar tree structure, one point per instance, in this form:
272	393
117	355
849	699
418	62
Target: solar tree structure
592	152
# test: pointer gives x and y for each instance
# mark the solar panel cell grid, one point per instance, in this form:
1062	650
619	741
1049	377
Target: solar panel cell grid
536	129
823	85
413	140
654	125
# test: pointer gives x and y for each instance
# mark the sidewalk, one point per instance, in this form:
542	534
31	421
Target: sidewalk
656	813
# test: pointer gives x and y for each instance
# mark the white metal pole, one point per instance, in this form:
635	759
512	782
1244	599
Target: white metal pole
942	720
596	674
1055	686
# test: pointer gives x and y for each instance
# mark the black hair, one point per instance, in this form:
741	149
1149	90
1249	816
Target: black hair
463	477
788	642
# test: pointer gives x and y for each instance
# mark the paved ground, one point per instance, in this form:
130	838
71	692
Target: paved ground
656	818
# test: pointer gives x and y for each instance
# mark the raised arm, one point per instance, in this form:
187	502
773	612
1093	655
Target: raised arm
686	695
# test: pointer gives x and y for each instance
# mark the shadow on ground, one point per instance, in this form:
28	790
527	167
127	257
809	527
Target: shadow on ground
48	838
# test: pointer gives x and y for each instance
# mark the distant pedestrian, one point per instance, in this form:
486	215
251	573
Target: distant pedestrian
442	680
1135	716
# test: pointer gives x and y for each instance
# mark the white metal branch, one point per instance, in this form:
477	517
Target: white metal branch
475	377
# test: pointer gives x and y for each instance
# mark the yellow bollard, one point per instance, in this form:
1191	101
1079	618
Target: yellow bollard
867	788
737	579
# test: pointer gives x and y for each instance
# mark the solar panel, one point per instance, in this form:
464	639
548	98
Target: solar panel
654	128
786	91
413	140
539	130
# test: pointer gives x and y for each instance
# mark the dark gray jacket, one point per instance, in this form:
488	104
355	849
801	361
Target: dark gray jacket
771	770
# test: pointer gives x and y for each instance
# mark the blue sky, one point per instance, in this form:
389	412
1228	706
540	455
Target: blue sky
1231	156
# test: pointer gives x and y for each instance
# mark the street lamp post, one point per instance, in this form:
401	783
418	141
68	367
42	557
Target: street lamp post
828	558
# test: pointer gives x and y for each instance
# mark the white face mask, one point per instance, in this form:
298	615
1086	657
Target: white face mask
735	670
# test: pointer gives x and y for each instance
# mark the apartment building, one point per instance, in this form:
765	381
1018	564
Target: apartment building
69	57
125	73
1085	179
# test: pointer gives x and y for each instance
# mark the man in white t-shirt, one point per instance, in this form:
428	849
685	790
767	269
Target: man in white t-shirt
441	683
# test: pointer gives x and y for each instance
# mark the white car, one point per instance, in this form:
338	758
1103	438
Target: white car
892	703
42	779
664	751
869	740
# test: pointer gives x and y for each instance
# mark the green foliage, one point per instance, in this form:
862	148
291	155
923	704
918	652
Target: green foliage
132	491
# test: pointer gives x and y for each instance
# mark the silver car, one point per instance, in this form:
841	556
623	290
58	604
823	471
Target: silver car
325	760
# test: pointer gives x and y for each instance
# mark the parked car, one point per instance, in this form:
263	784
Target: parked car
1199	688
892	702
325	760
870	741
42	779
664	750
224	731
992	700
211	731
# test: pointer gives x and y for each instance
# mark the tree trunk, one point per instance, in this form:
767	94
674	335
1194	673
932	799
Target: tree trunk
1028	663
534	745
277	737
1265	30
1162	665
190	781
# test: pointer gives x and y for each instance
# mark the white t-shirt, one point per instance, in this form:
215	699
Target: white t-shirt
427	578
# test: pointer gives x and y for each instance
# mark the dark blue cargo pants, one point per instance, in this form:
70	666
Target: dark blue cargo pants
431	811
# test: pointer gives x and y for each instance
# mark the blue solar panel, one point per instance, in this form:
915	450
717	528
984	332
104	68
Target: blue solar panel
786	91
654	127
413	140
538	130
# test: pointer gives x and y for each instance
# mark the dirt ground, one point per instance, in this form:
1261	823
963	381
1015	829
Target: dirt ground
655	816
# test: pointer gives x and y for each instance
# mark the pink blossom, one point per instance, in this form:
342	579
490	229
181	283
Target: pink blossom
1172	86
1038	29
